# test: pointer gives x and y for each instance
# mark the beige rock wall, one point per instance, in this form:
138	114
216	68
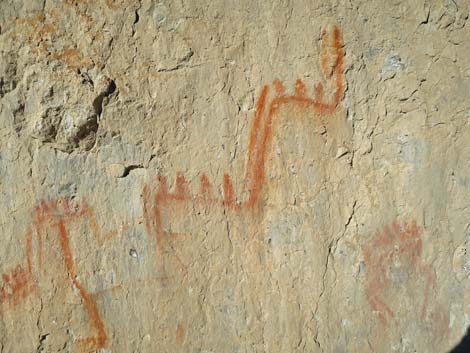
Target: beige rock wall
234	176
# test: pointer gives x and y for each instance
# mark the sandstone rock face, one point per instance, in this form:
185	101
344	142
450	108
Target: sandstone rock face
234	176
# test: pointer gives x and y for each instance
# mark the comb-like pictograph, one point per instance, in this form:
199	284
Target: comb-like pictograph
269	103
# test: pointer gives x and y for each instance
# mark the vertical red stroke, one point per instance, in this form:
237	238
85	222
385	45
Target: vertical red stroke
229	193
90	304
38	223
29	251
206	188
181	188
338	69
335	69
162	186
279	87
300	88
254	174
147	211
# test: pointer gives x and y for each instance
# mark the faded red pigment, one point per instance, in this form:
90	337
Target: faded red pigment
261	135
400	242
19	283
57	214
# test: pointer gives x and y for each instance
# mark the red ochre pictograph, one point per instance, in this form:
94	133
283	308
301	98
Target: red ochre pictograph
396	244
261	134
59	214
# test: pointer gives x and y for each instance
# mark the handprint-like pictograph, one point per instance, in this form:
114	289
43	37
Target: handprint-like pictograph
394	257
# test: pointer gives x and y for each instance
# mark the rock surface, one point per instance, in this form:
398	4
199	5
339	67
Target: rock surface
234	176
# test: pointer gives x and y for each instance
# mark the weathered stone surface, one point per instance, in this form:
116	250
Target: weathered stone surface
246	176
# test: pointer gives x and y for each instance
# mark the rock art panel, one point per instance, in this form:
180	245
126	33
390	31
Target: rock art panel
259	177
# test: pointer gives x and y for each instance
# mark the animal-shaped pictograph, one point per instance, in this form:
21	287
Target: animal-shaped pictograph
269	103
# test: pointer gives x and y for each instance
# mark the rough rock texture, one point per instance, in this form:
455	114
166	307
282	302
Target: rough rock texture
234	176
